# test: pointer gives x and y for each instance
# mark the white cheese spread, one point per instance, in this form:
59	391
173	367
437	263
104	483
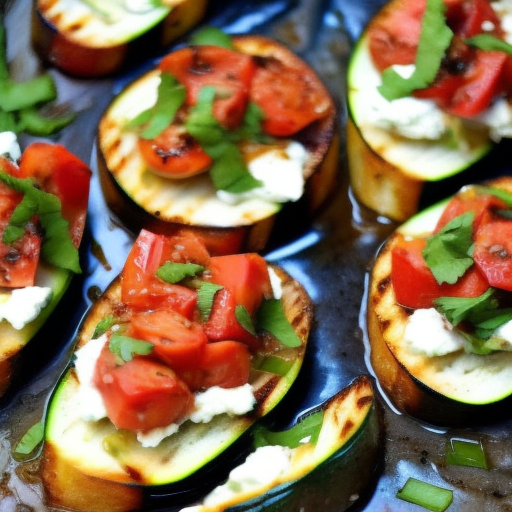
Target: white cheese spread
281	171
261	468
212	402
9	146
22	305
429	333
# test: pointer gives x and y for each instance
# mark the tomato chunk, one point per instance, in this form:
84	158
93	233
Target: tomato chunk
245	274
178	342
223	324
19	260
493	252
414	284
61	173
141	394
230	72
174	154
225	363
141	288
291	98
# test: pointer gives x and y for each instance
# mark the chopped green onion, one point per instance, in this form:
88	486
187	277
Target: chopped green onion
489	43
103	326
244	319
172	272
125	347
426	495
205	295
463	452
306	430
271	317
30	440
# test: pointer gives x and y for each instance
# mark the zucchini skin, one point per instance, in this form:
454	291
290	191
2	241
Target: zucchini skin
73	483
253	232
404	381
86	61
12	340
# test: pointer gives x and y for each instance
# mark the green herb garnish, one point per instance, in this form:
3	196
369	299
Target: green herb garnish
462	452
489	43
435	38
212	36
57	247
449	252
205	295
125	347
171	272
30	440
426	495
306	430
170	97
500	193
272	318
103	326
244	319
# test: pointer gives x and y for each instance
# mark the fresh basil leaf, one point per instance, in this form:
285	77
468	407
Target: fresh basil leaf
125	347
271	317
305	431
170	97
30	440
244	319
103	326
171	272
435	38
212	36
459	309
205	295
448	253
489	43
57	247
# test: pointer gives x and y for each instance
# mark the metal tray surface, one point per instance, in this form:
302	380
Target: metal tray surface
330	254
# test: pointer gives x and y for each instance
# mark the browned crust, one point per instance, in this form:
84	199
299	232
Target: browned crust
376	183
83	61
320	138
67	486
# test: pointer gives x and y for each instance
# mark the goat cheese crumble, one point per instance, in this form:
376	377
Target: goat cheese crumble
23	305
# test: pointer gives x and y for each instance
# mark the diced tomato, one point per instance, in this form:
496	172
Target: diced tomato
230	72
414	284
223	324
61	173
142	288
225	363
178	342
482	205
291	97
19	260
174	154
141	394
467	17
245	274
219	241
493	252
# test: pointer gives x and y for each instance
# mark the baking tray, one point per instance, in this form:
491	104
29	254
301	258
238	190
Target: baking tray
329	254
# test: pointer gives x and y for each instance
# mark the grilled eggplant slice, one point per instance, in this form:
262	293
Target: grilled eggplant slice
78	471
89	38
142	199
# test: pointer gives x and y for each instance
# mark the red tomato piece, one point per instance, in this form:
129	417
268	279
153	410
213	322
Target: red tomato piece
174	154
493	252
223	324
230	72
141	394
245	274
141	287
414	284
61	173
482	205
291	98
178	342
19	260
225	363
